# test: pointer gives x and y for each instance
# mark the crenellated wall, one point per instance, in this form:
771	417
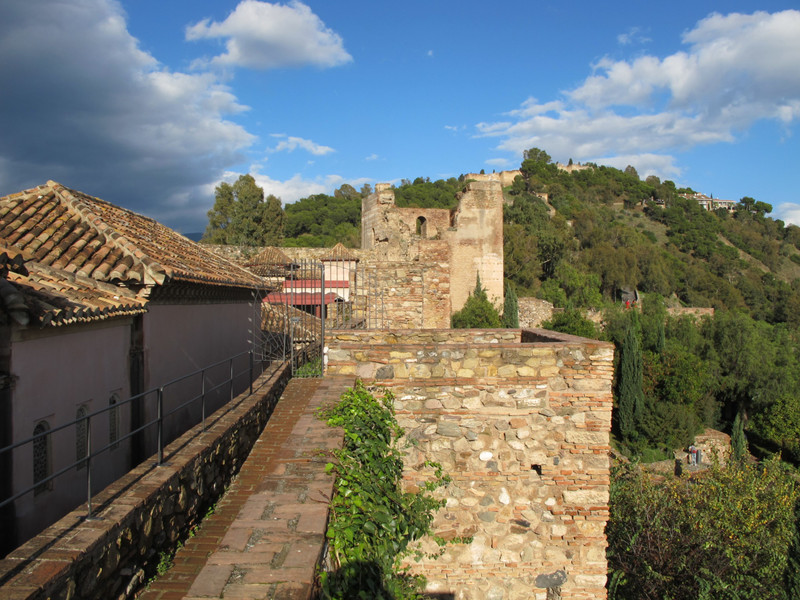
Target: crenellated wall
520	420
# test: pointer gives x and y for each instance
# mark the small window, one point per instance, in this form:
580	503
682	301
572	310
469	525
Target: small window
113	421
422	227
42	458
81	436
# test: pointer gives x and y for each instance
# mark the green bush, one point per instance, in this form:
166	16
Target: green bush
477	313
372	520
724	534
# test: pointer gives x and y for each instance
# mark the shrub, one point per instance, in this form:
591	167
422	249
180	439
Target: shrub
724	534
372	520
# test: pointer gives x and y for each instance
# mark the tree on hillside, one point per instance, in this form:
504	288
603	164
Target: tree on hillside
477	313
510	308
242	217
630	395
738	441
536	155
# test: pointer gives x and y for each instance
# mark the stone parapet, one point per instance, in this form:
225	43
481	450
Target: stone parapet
520	420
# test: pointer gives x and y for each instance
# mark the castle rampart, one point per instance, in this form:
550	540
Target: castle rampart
520	420
454	246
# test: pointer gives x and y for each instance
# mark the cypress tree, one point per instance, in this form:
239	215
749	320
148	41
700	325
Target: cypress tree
630	394
738	439
510	309
477	313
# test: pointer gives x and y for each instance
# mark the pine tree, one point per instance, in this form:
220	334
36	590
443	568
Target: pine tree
738	439
510	309
477	313
242	217
630	394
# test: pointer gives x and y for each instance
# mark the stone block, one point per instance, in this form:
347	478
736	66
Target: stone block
586	497
590	438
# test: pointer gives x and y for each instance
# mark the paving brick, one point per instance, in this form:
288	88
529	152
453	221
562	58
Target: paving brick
267	533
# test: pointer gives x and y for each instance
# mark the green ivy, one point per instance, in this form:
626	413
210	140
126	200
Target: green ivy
372	519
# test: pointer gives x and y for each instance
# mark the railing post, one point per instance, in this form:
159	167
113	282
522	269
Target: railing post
160	411
231	368
88	467
252	358
322	321
203	396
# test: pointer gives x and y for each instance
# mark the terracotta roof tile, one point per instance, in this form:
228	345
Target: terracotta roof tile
339	252
31	292
90	237
270	262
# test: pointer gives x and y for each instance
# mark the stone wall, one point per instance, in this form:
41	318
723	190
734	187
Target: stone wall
506	178
534	311
520	420
468	240
143	513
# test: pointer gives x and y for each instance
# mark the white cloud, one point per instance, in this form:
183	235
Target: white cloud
788	212
634	35
498	162
737	69
263	35
292	143
84	105
296	187
372	156
645	164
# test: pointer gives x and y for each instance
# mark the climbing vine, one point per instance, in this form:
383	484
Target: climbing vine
373	520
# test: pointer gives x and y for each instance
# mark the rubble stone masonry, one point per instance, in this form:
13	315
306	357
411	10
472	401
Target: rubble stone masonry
520	420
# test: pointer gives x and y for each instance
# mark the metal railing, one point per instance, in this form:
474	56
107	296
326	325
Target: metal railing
88	459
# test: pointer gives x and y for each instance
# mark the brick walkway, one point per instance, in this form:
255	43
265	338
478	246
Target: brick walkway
266	536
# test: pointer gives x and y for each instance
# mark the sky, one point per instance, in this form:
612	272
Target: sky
151	104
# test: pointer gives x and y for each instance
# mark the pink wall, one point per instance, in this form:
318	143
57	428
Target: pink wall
180	339
58	370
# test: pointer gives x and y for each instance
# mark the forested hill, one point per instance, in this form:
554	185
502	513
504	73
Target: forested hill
579	238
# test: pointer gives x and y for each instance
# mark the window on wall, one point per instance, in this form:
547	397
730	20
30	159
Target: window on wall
81	436
113	421
42	458
422	227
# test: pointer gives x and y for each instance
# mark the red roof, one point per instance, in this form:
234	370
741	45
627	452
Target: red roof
300	299
314	283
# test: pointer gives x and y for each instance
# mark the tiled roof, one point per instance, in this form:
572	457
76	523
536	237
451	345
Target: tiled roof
30	292
79	234
54	297
314	283
270	262
339	252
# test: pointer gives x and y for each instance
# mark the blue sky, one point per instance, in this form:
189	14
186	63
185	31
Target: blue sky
150	104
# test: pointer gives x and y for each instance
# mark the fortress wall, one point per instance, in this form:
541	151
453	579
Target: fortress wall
520	421
465	245
412	295
477	244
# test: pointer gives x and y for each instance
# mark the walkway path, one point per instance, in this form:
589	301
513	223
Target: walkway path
266	536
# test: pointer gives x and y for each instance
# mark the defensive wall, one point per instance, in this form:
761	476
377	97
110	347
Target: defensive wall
455	246
144	512
520	420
